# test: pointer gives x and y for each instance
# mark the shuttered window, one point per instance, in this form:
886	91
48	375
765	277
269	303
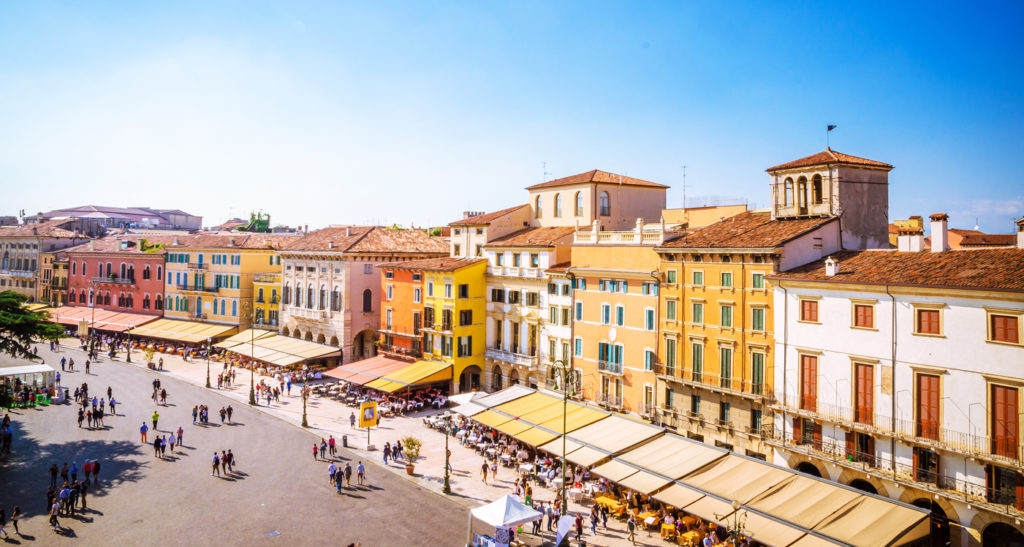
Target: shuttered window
1005	426
928	322
809	382
809	310
863	316
1004	328
928	406
864	388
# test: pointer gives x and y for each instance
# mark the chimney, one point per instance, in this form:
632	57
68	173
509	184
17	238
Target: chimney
35	231
231	242
1020	233
831	267
348	230
940	233
911	240
306	228
92	244
176	241
330	244
138	243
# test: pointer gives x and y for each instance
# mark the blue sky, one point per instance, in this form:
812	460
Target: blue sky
413	112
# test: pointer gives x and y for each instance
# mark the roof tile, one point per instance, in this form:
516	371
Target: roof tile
750	229
534	237
829	156
596	176
443	264
487	218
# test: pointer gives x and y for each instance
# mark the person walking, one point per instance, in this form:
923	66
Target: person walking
64	472
330	445
230	410
15	515
156	416
54	510
195	414
579	528
83	489
156	447
86	366
53	474
537	523
483	471
143	430
110	393
316	452
352	420
181	433
113	411
360	472
3	522
171	441
323	449
223	414
216	465
96	470
387	452
231	460
74	471
225	462
332	471
631	526
63	361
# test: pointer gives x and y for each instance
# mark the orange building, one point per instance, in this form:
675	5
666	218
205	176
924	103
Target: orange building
401	317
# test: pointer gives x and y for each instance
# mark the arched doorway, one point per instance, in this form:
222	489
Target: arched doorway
285	332
297	333
513	378
334	341
363	346
940	522
1002	534
863	485
469	380
809	468
496	380
309	336
320	339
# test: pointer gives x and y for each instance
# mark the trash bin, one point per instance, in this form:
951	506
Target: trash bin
67	395
344	441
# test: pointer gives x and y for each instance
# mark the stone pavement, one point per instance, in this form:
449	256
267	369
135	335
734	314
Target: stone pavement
328	417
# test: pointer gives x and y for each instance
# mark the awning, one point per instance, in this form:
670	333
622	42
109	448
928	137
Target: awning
710	509
813	541
736	478
612	434
673	456
26	369
99	319
525	404
766	530
644	482
804	501
192	332
420	372
614	470
510	393
585	456
678	495
535	436
871	521
270	347
36	307
469	409
367	370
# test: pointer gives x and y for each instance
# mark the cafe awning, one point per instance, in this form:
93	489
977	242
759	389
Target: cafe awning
767	530
644	482
736	478
26	369
367	370
710	509
98	318
245	337
673	456
510	393
803	501
420	372
614	470
871	521
36	307
611	435
270	347
678	495
191	332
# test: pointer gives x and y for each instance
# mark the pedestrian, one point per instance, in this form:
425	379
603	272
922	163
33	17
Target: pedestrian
352	420
15	515
631	526
163	397
604	516
113	411
230	410
316	451
483	471
81	417
195	414
216	465
53	474
348	475
225	461
3	522
330	445
593	522
289	387
87	366
360	472
54	509
110	393
323	449
231	460
172	440
494	471
387	452
156	416
64	472
95	470
223	414
88	418
87	469
74	471
550	512
63	361
143	430
83	490
181	432
537	523
156	446
332	470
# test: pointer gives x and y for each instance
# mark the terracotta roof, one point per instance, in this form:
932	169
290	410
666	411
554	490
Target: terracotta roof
239	240
443	264
111	244
368	239
561	267
988	240
596	176
963	232
750	229
963	268
231	224
47	228
534	237
829	156
486	218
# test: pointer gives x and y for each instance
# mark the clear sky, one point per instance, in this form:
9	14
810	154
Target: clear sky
413	112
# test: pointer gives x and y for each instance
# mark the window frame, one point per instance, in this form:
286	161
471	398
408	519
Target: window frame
919	307
816	300
991	313
856	303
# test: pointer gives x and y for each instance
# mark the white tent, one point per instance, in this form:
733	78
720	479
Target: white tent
463	398
504	511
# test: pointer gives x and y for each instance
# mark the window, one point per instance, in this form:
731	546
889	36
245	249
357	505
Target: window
620	315
534	260
514	297
605	205
387	318
726	315
458	249
863	316
517	260
579	204
579	311
928	322
757	372
670	356
367	301
1005	421
579	347
698	279
74	268
417	295
809	311
498	295
447	290
499	259
388	292
553	315
670	277
789	193
649	360
695	405
757	319
579	283
558	205
532	298
415	276
566	317
863	388
465	317
723	413
757	281
725	358
809	382
479	231
388	274
367	269
670	398
670	310
1004	328
727	279
816	190
697	359
430	288
234	308
649	319
698	312
606	314
928	406
335	298
649	288
538	208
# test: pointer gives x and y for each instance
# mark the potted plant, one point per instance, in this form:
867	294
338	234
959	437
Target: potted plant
411	447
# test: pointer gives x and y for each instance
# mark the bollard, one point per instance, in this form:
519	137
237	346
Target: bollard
344	441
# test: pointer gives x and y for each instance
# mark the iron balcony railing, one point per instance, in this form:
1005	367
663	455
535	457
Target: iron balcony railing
610	367
607	399
730	384
114	280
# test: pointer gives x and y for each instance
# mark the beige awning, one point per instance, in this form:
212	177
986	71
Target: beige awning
678	496
813	541
586	456
644	482
614	470
244	337
769	531
193	332
871	521
673	456
615	434
736	478
501	397
270	347
710	509
804	501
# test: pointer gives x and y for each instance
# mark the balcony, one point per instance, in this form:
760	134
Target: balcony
113	280
647	411
199	316
259	300
651	234
610	367
512	357
506	271
910	432
274	300
609	400
393	350
273	278
306	313
197	266
18	273
198	289
59	284
973	490
728	385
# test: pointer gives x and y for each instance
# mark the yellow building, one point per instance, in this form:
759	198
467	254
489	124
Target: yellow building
267	299
615	310
913	223
716	328
210	276
53	284
454	315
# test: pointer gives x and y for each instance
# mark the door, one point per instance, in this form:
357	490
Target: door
1005	413
928	406
864	391
809	382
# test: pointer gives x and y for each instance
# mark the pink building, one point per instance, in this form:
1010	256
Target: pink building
118	273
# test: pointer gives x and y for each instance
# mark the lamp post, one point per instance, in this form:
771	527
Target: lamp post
305	396
252	375
446	488
739	522
563	372
128	359
208	340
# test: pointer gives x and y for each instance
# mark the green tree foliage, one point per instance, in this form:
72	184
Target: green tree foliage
20	327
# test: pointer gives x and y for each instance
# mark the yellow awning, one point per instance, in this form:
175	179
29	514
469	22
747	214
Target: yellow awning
420	372
535	436
576	417
736	478
614	433
813	541
804	501
270	347
644	482
491	418
614	470
514	427
586	456
192	332
769	531
244	337
36	307
525	404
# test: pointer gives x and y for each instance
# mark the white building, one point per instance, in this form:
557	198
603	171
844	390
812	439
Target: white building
902	372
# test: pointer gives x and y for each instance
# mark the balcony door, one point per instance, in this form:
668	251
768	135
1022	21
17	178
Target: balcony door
1005	425
809	382
928	406
864	393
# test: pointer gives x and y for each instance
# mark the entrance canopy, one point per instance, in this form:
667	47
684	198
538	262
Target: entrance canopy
420	372
191	332
367	370
270	347
505	511
99	319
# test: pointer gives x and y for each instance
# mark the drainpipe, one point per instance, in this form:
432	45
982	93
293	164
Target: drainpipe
785	353
892	385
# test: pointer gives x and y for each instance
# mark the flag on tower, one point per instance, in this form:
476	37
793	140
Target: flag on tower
831	127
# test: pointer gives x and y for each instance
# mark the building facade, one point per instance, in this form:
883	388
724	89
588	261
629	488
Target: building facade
118	274
20	249
332	282
470	234
900	374
53	285
614	201
401	323
267	300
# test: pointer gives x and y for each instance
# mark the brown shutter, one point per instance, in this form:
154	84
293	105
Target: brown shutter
871	450
928	406
864	385
809	382
797	432
817	436
851	447
1004	421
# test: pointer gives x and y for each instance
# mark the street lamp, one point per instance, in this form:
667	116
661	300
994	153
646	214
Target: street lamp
252	374
128	359
446	488
739	522
208	340
305	397
563	372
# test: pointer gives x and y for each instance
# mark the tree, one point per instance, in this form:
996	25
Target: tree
21	327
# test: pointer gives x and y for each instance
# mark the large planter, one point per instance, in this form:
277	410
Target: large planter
409	468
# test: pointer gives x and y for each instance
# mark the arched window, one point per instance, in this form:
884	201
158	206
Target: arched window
367	301
336	299
309	297
131	272
298	295
74	268
160	273
145	301
816	190
120	300
71	295
84	270
287	295
130	301
605	205
145	272
159	304
106	299
579	204
82	297
259	295
124	271
538	209
801	192
199	305
234	308
788	196
558	205
323	297
110	270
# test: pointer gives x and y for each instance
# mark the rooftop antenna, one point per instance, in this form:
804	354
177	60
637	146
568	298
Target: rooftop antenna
544	166
684	187
828	131
977	225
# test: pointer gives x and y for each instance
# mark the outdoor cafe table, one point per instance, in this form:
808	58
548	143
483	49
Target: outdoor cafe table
668	529
689	538
481	446
490	452
460	434
610	503
526	468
